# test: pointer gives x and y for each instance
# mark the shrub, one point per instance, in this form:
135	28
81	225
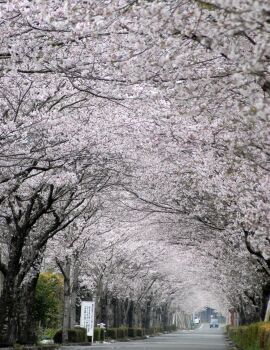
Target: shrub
76	335
150	331
120	333
132	332
139	332
112	333
253	337
125	330
267	340
173	328
47	333
153	330
102	334
264	336
97	332
170	328
158	329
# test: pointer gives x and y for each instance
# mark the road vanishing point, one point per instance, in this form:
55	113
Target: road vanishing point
202	338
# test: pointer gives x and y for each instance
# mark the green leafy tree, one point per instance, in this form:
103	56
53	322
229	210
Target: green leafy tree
49	300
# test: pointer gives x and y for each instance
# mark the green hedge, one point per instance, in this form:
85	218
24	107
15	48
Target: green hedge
171	328
253	337
139	332
75	335
132	332
122	333
150	331
97	333
112	333
158	329
36	347
102	334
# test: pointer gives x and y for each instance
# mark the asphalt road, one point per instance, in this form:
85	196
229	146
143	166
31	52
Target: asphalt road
203	338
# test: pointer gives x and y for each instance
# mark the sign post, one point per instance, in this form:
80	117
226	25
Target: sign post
88	317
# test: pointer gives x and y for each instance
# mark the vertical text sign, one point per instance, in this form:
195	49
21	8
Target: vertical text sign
88	316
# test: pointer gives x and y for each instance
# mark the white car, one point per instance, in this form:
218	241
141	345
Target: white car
47	341
196	320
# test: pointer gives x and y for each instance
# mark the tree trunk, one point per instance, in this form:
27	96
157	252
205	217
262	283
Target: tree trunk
115	321
17	319
127	304
74	293
9	301
67	295
130	315
8	312
147	314
104	308
164	317
26	319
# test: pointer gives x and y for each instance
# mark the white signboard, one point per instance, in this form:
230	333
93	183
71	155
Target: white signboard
88	316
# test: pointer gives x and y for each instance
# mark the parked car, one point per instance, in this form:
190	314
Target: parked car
196	320
47	341
214	323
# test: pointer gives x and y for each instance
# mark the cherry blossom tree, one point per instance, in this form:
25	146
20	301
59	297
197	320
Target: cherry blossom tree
166	100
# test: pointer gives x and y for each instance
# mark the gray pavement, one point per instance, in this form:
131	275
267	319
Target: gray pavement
203	338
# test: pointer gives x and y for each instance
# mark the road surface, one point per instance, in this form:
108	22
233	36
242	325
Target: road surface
203	338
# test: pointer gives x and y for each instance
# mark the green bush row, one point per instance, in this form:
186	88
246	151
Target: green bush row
78	334
134	332
99	334
124	332
171	328
75	335
253	337
155	330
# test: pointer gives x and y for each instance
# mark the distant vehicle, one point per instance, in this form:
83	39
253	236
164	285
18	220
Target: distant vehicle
196	320
214	323
47	341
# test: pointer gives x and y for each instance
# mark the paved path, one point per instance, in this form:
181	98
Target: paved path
203	338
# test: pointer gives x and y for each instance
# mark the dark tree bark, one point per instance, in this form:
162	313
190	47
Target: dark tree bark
164	317
17	317
9	301
26	313
115	302
104	309
66	269
8	314
131	315
265	263
146	314
29	231
127	304
74	293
